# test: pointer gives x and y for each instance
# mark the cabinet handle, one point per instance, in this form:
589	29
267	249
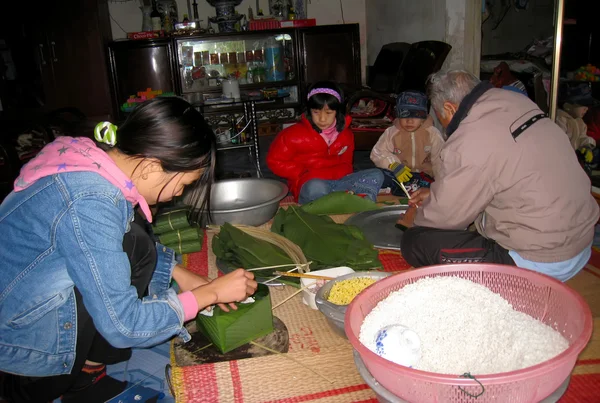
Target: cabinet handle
41	50
52	44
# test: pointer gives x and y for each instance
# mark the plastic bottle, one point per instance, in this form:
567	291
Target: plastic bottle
274	61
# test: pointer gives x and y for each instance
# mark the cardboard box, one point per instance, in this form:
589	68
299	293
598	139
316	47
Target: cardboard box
145	35
310	22
259	25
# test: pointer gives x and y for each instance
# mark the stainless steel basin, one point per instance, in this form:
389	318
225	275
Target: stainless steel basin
249	201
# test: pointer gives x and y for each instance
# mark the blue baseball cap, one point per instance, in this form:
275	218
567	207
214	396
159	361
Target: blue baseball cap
412	104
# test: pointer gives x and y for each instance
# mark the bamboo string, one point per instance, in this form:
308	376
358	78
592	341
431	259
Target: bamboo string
303	275
279	266
298	291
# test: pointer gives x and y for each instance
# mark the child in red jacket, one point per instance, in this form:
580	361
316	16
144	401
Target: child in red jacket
315	155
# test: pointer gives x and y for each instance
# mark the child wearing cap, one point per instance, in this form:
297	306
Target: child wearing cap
411	145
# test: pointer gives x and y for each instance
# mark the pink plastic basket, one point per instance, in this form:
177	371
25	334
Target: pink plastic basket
536	294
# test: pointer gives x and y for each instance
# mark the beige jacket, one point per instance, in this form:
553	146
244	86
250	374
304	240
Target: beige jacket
575	128
530	193
419	150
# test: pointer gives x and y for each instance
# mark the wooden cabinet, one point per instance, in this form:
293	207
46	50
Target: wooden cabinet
330	53
193	66
58	54
139	65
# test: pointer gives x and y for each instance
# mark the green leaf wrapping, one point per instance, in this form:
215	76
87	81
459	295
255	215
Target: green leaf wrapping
235	246
181	235
186	246
324	242
229	330
171	221
339	203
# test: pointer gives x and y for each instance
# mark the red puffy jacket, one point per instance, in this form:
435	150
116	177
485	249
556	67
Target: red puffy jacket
299	154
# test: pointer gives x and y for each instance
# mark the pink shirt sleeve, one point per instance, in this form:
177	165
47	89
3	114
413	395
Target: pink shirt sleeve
190	306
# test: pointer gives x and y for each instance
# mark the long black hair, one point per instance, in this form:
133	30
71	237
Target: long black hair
171	131
321	100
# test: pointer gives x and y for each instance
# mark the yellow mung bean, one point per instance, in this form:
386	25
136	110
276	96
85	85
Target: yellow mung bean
343	292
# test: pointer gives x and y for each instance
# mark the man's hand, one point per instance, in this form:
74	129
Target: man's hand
418	197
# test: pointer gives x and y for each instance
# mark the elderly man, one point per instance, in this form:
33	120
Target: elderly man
510	169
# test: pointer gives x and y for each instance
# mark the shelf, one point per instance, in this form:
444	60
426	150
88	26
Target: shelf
230	146
253	86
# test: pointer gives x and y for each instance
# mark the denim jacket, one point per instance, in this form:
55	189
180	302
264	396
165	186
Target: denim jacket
63	231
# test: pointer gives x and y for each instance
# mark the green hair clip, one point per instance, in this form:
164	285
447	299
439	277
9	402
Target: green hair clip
106	132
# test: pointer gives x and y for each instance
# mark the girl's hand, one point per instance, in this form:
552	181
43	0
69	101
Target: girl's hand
233	287
186	280
418	197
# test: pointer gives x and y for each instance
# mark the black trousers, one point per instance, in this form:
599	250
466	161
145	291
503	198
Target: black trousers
139	246
423	246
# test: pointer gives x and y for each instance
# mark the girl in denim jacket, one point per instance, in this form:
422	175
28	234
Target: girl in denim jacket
81	279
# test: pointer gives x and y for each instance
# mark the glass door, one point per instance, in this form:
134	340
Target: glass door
255	61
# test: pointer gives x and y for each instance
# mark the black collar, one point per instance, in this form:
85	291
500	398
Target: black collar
466	105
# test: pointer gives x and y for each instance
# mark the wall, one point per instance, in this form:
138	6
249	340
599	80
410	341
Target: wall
456	22
534	23
127	17
402	21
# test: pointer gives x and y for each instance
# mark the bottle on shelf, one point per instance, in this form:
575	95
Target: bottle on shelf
155	17
196	16
185	19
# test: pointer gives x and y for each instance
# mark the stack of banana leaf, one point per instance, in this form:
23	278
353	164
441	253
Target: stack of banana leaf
323	242
174	231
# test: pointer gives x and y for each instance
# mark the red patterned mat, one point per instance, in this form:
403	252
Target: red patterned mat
276	379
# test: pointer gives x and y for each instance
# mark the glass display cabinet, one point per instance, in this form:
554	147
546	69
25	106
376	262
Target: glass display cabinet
242	82
251	63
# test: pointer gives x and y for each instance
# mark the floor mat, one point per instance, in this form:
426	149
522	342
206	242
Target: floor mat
317	348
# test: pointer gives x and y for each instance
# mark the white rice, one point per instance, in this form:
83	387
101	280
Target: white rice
464	327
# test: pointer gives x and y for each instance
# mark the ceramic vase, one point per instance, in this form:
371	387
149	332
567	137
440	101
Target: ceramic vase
226	17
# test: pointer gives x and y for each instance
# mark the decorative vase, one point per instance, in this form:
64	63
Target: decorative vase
278	9
146	18
168	12
301	9
226	17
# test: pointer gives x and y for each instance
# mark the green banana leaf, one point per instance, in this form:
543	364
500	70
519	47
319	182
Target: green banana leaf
229	330
171	221
339	203
239	249
181	235
186	246
324	242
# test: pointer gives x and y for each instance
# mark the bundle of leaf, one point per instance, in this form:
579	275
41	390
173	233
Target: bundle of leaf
174	231
324	242
339	203
251	248
229	330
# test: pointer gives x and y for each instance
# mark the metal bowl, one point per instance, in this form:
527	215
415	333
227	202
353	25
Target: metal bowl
249	201
335	313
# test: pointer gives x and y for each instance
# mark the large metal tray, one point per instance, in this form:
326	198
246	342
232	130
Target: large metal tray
379	226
